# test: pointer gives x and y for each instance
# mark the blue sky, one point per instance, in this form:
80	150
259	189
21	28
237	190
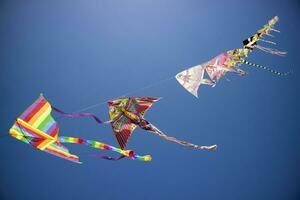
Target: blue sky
79	53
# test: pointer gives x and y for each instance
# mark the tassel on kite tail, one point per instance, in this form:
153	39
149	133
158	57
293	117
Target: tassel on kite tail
267	41
156	131
98	145
265	68
271	51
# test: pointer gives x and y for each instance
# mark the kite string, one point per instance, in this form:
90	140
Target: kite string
128	93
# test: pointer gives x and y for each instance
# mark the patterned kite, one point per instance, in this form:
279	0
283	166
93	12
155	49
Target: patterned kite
126	114
37	127
230	61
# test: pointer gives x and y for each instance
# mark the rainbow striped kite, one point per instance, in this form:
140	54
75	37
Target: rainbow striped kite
37	127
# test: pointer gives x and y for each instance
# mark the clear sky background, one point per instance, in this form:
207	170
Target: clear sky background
79	53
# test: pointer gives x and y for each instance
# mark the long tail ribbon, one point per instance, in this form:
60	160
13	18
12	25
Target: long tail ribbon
99	145
83	114
109	157
271	51
181	142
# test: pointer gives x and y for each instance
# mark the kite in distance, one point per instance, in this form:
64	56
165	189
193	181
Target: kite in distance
37	127
126	114
230	61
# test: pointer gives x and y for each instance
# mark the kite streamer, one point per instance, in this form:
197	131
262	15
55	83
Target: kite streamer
77	114
99	145
265	68
181	142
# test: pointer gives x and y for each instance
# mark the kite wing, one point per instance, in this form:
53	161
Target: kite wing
122	125
215	68
37	128
191	79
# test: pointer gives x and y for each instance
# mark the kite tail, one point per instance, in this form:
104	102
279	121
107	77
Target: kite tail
265	68
77	114
181	142
99	145
109	158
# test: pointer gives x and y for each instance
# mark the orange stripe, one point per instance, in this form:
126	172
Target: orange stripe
39	113
45	144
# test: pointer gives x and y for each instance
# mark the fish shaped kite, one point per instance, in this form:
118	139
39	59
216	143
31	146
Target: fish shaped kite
126	114
37	127
229	61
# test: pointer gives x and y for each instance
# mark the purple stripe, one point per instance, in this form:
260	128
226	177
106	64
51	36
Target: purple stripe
77	115
47	127
30	108
50	130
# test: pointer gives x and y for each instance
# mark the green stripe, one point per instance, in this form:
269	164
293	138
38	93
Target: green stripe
45	122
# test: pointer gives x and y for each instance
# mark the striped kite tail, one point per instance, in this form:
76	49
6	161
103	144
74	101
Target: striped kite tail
99	145
265	68
181	142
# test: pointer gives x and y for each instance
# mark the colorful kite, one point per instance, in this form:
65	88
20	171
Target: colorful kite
230	61
128	113
37	128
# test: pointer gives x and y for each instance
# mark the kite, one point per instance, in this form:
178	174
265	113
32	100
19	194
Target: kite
126	114
37	127
217	67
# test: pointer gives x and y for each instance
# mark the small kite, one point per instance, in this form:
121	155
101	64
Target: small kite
37	127
126	114
229	61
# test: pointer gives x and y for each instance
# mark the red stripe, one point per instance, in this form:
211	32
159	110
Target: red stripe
35	110
53	151
80	141
125	134
143	107
54	132
119	140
